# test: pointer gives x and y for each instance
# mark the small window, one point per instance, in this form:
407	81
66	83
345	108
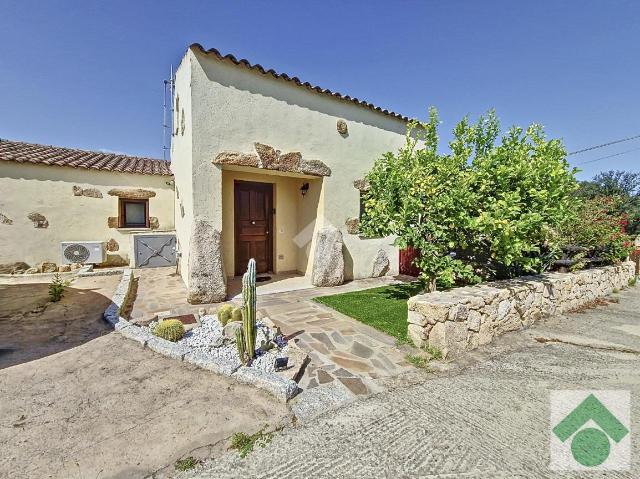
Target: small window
134	213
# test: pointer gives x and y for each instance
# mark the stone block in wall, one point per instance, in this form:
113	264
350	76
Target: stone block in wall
353	225
112	245
342	127
64	268
77	190
112	222
17	267
88	192
47	267
465	318
154	223
132	194
39	220
235	158
268	155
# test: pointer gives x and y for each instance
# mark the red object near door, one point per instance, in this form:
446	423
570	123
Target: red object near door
407	265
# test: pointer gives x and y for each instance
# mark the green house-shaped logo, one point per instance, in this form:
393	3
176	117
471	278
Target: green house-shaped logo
590	446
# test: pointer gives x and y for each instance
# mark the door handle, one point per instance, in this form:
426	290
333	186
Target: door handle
253	222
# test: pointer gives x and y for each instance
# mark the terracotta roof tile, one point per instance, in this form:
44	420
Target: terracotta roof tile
59	156
259	68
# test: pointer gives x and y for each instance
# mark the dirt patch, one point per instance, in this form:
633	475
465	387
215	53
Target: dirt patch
32	327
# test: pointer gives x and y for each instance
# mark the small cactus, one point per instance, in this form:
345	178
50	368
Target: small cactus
240	344
169	329
236	314
224	313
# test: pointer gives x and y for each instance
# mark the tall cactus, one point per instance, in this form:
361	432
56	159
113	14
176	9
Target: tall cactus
249	309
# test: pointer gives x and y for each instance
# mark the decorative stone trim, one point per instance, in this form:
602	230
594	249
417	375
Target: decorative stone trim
39	221
134	194
89	192
5	220
112	245
353	225
341	126
465	318
361	184
280	387
154	223
112	222
268	158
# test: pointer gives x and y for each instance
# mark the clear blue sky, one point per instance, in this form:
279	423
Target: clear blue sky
89	74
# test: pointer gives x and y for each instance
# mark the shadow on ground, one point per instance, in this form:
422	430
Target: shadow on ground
32	327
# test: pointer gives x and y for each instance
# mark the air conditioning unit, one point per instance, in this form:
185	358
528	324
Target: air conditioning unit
85	252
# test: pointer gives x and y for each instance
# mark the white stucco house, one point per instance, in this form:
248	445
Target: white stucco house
53	195
267	166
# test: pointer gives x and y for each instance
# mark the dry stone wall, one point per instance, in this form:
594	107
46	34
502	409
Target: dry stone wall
465	318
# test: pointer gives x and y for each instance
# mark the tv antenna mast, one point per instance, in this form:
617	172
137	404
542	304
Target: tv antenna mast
167	114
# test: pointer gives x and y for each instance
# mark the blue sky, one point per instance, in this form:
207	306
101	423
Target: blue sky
89	74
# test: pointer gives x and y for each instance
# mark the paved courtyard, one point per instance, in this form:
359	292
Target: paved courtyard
487	418
345	354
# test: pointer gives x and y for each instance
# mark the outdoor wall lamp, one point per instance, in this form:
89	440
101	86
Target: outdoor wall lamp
304	188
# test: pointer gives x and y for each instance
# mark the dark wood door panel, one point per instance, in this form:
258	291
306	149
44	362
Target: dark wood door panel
253	225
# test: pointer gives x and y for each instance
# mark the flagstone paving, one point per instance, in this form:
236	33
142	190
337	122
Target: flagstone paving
343	352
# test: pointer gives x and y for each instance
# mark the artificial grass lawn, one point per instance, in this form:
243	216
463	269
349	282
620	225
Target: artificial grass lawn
383	308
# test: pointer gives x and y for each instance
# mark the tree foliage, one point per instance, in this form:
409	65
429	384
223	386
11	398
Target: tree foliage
623	185
487	209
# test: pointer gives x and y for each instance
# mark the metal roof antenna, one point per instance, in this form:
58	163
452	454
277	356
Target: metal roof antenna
167	120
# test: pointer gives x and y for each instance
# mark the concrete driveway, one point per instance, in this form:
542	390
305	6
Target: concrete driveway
487	417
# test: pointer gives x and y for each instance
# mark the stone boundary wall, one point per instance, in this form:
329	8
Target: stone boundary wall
465	318
282	388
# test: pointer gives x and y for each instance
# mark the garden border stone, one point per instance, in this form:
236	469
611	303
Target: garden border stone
280	387
466	318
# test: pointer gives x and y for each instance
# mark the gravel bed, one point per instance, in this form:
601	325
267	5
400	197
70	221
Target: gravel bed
208	335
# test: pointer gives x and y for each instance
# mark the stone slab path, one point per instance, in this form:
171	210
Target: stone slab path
487	419
348	358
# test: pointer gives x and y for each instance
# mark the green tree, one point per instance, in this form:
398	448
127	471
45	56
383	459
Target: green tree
482	210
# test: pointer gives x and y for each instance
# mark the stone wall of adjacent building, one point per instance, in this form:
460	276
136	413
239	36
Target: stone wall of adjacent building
465	318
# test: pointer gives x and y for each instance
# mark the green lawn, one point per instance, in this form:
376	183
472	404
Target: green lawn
383	308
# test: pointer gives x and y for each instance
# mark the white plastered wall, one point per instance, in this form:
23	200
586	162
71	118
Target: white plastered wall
48	190
232	107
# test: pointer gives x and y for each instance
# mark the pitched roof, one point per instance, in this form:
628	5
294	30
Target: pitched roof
58	156
295	80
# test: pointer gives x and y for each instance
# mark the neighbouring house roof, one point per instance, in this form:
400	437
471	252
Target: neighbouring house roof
22	152
296	81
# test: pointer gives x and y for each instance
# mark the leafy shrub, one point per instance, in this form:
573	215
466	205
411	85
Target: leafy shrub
485	210
57	287
599	226
169	329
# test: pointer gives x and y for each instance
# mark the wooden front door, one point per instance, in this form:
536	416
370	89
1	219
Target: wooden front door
253	209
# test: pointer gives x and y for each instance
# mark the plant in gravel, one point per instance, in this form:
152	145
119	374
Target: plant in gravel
418	360
186	464
224	313
246	337
633	281
245	443
169	329
616	290
236	314
57	287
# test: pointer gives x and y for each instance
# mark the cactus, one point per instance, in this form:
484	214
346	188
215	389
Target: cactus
240	344
249	309
169	329
236	314
224	313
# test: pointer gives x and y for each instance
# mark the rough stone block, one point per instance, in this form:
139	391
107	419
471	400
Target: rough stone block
49	267
381	264
206	361
282	388
207	282
328	262
167	348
